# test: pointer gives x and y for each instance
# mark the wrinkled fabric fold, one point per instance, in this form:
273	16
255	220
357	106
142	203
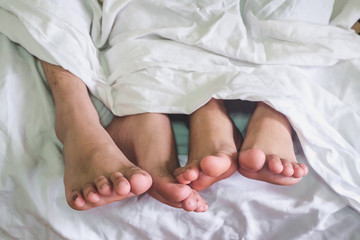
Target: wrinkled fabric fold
173	56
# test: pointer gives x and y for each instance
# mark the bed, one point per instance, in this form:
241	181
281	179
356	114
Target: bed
319	96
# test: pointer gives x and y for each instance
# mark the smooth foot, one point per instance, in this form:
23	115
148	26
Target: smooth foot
213	147
148	141
267	153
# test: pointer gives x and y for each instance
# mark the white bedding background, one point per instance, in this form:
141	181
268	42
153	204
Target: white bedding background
304	61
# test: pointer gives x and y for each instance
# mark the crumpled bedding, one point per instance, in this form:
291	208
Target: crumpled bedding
172	57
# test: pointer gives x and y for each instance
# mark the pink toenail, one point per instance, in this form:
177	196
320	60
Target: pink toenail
105	185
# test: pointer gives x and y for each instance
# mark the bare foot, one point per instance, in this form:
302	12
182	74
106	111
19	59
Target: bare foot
96	171
213	147
267	153
356	27
147	140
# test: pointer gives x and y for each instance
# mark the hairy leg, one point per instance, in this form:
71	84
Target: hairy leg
96	171
267	153
213	147
147	139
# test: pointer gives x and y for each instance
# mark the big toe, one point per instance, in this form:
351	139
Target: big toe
140	182
214	166
172	191
252	159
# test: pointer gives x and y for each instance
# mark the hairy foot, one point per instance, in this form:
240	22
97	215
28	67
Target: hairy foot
267	153
213	147
96	171
148	141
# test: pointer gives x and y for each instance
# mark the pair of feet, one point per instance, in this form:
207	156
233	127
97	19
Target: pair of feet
98	173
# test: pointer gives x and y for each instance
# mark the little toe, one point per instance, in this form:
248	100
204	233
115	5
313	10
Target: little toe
274	164
194	202
304	167
202	207
288	168
76	201
120	184
190	203
298	171
103	186
201	204
90	193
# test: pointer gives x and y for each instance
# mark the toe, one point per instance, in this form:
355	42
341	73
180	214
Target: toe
120	184
214	166
187	174
203	182
288	168
76	200
191	174
180	178
298	171
194	202
201	204
140	183
90	193
190	203
304	167
103	186
203	207
274	164
252	159
174	192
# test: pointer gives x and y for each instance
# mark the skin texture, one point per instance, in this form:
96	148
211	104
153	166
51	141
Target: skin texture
356	27
213	147
267	153
147	139
96	171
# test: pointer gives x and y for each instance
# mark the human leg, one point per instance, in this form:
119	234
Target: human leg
213	147
147	140
267	153
356	27
96	171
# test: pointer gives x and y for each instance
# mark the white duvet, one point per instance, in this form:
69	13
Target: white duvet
300	57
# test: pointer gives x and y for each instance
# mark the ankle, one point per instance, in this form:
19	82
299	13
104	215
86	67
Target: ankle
73	118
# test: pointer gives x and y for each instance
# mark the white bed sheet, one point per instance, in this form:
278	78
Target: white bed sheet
33	204
320	98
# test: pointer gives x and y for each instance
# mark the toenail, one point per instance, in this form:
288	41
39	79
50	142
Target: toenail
105	185
121	184
75	197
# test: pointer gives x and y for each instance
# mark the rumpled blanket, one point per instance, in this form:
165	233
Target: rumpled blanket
135	56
